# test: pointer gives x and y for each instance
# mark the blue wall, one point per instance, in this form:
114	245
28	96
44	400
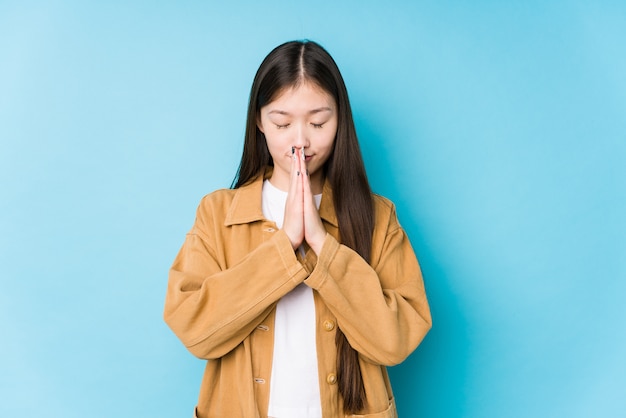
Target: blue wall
498	128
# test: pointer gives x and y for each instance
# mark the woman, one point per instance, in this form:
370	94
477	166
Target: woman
298	285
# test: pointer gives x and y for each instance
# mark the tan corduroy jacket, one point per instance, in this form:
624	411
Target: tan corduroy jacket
235	265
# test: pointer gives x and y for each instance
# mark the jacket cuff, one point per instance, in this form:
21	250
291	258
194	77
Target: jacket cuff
320	272
288	256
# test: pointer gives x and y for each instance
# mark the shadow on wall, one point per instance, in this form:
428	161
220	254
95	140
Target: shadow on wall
431	382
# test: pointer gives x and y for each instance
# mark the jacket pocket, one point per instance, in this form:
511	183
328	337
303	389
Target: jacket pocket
390	412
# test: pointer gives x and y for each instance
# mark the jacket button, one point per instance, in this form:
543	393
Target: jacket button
329	325
331	379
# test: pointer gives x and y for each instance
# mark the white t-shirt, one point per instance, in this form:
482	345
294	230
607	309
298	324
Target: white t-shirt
294	388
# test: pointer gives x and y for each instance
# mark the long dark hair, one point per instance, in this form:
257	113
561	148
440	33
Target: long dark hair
288	65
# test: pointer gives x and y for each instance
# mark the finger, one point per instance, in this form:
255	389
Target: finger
314	232
300	179
306	185
293	223
300	160
294	177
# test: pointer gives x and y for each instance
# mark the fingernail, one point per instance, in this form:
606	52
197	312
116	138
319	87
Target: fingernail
297	173
302	153
307	173
293	150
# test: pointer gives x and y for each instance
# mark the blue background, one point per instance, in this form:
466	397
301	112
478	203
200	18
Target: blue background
498	128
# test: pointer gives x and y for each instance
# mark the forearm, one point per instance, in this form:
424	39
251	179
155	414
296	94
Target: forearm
383	312
212	309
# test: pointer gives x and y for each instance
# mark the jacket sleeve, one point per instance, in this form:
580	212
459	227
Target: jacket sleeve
382	309
212	309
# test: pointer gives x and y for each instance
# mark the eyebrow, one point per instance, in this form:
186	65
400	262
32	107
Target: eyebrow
311	112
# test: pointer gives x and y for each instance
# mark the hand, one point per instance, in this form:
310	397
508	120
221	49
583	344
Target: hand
293	223
314	232
302	221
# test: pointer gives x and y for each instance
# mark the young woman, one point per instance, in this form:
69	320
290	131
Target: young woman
298	285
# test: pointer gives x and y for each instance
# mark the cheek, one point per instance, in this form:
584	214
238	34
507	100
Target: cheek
273	149
270	139
329	139
326	148
275	144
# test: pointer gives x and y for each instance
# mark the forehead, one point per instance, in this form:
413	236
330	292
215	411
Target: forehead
302	97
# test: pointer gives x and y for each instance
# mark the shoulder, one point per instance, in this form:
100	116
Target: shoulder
382	203
383	206
385	213
228	207
217	198
214	206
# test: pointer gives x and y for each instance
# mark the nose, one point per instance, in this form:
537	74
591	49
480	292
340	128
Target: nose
300	139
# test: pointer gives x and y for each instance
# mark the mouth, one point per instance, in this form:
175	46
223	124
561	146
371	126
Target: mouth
304	157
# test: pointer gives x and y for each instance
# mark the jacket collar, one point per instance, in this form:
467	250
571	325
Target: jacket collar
246	205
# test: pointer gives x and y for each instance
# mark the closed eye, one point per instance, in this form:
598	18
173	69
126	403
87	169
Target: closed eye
282	126
317	125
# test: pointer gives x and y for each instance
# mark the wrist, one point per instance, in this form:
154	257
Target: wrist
317	244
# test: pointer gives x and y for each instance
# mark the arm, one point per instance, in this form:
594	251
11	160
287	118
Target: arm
212	308
382	310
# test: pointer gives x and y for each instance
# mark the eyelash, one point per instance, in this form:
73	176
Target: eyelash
315	125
